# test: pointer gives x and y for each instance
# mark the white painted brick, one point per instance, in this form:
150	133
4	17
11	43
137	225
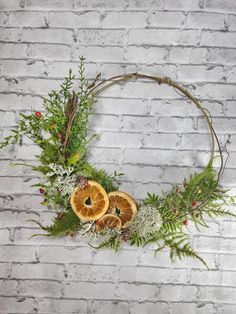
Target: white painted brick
103	54
138	123
116	307
226	309
101	37
229	278
217	294
102	155
48	4
14	219
67	254
4	270
90	291
23	253
181	4
37	271
160	140
50	305
4	236
3	18
224	5
201	73
200	308
221	55
148	307
228	229
10	4
137	292
105	122
205	20
155	37
27	19
47	35
99	4
218	39
124	19
232	22
10	34
44	288
187	55
166	19
108	257
175	124
17	304
145	4
92	273
120	139
74	19
23	68
49	52
141	174
228	261
178	292
202	277
146	54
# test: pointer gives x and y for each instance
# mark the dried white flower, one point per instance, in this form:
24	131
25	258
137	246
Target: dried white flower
147	221
65	180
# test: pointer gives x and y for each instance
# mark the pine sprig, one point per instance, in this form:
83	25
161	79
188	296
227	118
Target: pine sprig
113	243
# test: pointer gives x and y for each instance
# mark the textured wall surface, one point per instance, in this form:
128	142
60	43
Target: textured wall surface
147	131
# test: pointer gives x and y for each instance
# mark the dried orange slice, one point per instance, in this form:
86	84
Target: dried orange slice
122	205
90	202
108	221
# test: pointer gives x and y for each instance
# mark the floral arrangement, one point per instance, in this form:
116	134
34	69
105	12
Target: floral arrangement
86	200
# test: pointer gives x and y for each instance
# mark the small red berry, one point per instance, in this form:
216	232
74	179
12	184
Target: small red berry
194	203
59	215
185	222
97	222
41	191
58	136
38	114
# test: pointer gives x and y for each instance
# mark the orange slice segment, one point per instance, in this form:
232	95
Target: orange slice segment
108	221
122	205
91	202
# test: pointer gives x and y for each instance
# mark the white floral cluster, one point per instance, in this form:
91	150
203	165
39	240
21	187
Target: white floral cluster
65	179
147	221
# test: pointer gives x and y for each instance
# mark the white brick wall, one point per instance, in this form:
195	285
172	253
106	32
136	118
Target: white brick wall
147	131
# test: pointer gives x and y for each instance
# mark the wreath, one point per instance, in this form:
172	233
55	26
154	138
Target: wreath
86	199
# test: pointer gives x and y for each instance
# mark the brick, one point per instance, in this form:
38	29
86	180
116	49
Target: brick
37	271
161	140
13	50
226	309
3	18
10	34
103	54
155	37
74	19
17	304
145	4
217	294
221	55
101	37
90	291
48	4
181	4
127	291
218	39
106	122
201	73
102	155
141	174
10	4
205	277
27	19
4	271
229	278
116	307
46	305
178	293
228	261
146	54
14	219
8	287
200	308
153	275
23	68
23	253
67	254
187	55
124	19
205	20
44	288
175	125
232	22
166	19
59	36
228	229
138	123
225	5
119	139
123	257
92	273
101	4
49	52
151	308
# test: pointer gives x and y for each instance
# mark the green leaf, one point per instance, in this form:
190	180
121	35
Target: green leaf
73	159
